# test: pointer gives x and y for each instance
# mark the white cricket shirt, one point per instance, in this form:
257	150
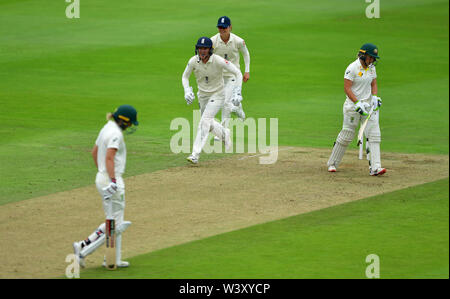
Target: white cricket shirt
111	136
230	50
362	79
209	75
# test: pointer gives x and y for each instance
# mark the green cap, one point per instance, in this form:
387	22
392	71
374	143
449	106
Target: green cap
126	113
369	49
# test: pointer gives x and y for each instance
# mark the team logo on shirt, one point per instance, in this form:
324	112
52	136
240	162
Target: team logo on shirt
360	74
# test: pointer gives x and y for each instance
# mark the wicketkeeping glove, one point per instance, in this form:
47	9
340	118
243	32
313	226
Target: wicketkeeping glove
237	97
109	190
362	107
376	102
189	95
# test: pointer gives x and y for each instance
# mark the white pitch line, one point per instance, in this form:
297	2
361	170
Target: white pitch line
262	154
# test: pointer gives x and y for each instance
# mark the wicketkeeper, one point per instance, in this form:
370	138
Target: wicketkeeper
360	84
208	69
109	155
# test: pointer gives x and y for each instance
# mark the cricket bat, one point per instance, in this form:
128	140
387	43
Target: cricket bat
110	224
363	127
361	150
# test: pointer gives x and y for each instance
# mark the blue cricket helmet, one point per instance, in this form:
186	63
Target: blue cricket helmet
224	22
204	42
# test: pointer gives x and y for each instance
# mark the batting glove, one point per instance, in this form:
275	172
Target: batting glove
376	102
362	107
189	95
109	190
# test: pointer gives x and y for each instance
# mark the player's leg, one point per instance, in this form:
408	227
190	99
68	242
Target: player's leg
209	124
121	226
118	208
216	103
227	105
87	246
373	134
202	101
351	120
96	239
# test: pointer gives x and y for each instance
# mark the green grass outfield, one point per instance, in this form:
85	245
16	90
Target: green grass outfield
59	77
404	228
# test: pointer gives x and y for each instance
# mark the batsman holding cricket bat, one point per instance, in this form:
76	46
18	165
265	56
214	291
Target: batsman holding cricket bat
361	88
109	154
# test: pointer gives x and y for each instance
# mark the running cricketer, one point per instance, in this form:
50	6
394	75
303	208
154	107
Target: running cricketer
209	69
230	46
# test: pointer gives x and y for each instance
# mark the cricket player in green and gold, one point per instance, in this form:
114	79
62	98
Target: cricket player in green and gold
109	154
360	84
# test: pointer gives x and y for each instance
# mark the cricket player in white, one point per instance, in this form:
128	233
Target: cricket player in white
361	88
109	154
208	69
229	46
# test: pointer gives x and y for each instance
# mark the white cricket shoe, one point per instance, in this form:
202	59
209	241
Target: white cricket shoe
121	264
227	139
331	168
378	171
192	159
76	251
217	138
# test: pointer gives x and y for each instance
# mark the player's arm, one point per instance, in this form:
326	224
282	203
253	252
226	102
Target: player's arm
188	92
110	154
348	90
376	100
360	107
186	74
94	155
246	55
237	89
111	150
374	87
234	70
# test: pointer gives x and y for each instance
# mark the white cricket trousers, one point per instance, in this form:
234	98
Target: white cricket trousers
210	104
228	106
351	121
118	199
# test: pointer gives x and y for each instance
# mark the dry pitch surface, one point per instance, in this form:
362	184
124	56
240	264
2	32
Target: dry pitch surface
182	204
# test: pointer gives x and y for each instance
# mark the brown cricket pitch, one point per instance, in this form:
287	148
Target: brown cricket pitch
182	204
